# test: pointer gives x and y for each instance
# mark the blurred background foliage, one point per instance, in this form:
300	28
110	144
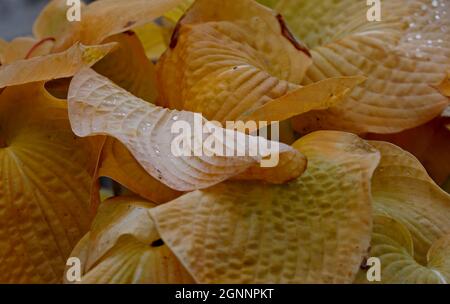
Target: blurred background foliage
17	17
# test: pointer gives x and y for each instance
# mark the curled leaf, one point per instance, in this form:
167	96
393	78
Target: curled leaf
315	229
45	176
317	96
116	162
52	66
224	63
183	161
425	212
124	247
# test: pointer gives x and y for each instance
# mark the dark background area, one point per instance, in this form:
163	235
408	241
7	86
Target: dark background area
17	17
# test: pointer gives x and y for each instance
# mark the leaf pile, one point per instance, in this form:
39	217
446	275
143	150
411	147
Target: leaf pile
364	145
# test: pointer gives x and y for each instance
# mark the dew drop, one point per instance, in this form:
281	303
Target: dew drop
175	118
424	7
418	36
419	53
435	3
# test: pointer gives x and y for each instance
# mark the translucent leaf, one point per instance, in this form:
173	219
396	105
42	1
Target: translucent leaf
124	247
98	107
315	229
404	56
52	66
45	177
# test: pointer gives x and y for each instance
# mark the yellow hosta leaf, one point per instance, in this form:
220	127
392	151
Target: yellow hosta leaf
123	246
98	107
117	163
52	66
178	12
129	67
404	56
102	19
315	229
155	38
52	21
402	189
224	63
45	176
393	244
317	96
430	143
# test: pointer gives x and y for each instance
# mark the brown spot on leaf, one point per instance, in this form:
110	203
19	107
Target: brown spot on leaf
288	35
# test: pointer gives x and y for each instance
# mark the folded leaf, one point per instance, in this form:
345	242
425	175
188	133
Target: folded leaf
315	229
123	246
393	244
317	96
52	66
224	63
118	164
404	56
402	189
45	176
98	107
